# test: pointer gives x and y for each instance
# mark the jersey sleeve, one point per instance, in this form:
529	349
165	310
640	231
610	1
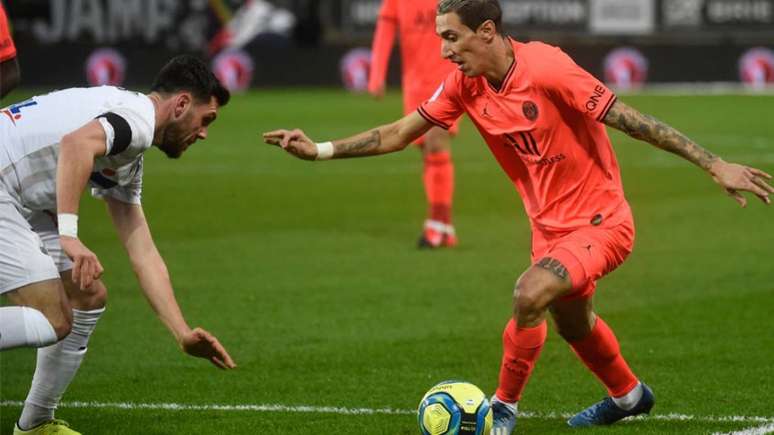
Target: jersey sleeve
445	106
384	38
573	85
127	132
131	193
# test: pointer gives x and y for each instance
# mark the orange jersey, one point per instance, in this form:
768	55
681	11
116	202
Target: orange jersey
7	49
422	64
544	128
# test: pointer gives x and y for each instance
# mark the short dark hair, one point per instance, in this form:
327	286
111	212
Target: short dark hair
473	13
189	73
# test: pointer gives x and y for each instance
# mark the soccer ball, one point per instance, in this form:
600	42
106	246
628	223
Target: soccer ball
454	408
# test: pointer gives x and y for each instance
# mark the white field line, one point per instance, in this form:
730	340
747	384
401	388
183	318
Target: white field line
762	430
372	411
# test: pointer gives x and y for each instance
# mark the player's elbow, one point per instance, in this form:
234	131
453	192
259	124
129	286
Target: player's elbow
403	137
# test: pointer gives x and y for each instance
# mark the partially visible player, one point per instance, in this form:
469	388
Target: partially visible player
9	65
51	147
543	118
423	69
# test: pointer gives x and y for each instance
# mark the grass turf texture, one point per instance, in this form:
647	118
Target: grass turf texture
308	274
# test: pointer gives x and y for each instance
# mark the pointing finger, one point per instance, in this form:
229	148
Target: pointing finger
760	173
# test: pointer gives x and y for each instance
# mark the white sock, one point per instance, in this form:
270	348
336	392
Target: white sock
56	368
24	326
513	406
630	399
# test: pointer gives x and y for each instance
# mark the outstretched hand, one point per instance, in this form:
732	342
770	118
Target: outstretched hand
202	344
293	141
737	178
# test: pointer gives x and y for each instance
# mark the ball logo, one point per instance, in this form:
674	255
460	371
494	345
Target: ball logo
626	68
530	110
756	67
355	68
234	69
105	66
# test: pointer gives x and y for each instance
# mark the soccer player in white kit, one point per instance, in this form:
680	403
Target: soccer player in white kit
51	146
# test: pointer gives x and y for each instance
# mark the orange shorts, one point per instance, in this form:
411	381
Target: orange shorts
413	99
588	253
7	49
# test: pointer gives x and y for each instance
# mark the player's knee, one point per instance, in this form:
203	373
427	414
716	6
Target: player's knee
98	296
61	323
436	141
526	301
93	298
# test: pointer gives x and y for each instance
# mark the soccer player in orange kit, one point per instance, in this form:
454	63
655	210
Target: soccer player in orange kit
543	118
422	70
9	65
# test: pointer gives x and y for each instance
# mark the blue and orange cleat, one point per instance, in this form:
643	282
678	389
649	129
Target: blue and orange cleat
607	412
503	418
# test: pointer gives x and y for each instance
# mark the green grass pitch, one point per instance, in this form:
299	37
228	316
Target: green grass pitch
308	274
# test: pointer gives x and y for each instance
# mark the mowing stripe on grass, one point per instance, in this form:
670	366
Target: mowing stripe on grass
370	411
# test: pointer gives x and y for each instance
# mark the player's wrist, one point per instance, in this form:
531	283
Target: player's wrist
67	224
324	150
714	166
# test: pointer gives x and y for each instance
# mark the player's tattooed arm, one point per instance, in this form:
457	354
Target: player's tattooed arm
649	129
363	144
554	266
385	139
732	177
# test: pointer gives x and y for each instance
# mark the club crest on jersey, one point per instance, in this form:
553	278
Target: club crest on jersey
13	112
530	110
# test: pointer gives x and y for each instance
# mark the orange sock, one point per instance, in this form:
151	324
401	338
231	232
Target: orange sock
521	349
601	353
438	177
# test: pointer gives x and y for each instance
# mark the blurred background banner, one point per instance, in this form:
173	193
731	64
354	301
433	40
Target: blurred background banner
304	42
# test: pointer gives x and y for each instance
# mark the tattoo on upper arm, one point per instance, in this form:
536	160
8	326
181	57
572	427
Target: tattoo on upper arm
554	266
361	146
651	130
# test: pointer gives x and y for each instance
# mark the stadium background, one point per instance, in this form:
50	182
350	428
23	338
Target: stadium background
301	42
308	273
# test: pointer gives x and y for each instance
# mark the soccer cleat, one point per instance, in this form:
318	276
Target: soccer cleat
53	427
503	418
437	234
607	412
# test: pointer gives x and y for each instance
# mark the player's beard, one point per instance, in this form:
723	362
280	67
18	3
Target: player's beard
174	139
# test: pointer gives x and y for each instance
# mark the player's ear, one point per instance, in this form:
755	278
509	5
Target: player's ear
183	102
487	30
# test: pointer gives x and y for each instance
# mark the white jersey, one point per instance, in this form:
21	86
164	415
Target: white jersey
31	131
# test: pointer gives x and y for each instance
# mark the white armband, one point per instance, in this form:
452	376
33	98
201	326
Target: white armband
324	150
68	224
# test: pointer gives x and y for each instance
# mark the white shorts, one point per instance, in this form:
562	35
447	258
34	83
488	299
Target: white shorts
44	225
23	255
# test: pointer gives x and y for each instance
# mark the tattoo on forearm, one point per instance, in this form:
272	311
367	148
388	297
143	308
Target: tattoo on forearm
553	266
651	130
360	146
